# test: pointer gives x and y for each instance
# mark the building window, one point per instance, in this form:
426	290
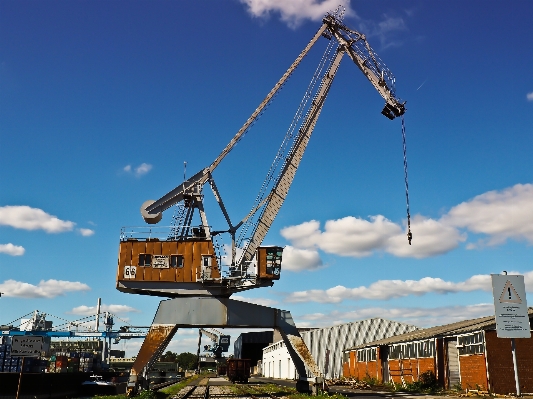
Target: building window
145	260
426	348
366	355
346	357
206	260
471	344
176	261
412	350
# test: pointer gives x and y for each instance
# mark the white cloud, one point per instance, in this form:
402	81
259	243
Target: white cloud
432	237
86	232
45	289
139	171
304	235
294	12
297	260
529	96
422	317
357	237
383	29
388	289
501	215
142	169
27	218
84	310
13	250
498	214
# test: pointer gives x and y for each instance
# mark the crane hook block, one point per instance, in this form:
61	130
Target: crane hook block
392	112
150	218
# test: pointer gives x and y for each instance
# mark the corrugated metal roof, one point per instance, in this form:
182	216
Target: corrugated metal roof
460	327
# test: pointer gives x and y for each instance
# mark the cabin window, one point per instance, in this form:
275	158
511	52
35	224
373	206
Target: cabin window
145	260
176	261
206	260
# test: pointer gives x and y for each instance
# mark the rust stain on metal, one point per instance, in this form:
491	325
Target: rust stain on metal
299	346
152	342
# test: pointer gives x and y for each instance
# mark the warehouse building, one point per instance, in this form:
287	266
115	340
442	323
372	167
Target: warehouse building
327	345
250	345
466	354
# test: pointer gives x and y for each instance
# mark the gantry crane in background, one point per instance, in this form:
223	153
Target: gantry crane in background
220	344
186	265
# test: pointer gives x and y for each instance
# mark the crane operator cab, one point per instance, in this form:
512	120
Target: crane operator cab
154	265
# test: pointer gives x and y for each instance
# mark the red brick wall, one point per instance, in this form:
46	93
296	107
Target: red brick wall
500	363
372	369
346	369
426	364
473	371
394	370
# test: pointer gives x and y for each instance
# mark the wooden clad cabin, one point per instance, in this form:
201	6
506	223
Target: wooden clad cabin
188	266
170	261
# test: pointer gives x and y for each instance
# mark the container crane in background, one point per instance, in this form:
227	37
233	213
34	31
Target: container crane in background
188	266
36	324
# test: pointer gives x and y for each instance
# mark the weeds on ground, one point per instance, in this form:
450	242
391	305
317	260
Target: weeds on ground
372	381
427	383
322	395
259	389
174	389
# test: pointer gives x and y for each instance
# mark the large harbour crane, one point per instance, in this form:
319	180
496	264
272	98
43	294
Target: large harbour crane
186	264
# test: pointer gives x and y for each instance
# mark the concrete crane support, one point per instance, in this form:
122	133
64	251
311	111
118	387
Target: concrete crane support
194	312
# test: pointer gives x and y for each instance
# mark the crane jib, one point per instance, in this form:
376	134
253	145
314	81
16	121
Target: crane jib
253	228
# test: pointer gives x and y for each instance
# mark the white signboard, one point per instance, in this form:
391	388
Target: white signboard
160	262
512	320
130	271
26	346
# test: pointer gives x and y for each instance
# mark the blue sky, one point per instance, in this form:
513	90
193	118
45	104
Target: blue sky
102	102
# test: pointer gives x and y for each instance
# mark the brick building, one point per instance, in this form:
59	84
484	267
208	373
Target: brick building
466	354
327	344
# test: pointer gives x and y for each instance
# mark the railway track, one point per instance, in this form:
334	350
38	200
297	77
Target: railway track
223	390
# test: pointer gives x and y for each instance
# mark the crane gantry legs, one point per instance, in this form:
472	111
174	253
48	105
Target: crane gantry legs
194	312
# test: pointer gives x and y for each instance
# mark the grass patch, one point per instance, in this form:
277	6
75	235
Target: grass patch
174	389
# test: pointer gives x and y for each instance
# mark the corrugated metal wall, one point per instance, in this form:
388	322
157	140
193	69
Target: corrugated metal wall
333	340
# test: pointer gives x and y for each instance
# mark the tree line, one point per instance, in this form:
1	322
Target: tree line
186	360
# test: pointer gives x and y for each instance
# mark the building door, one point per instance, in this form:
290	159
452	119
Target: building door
384	356
454	377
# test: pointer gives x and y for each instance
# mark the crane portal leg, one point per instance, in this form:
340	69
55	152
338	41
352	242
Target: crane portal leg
153	346
194	312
